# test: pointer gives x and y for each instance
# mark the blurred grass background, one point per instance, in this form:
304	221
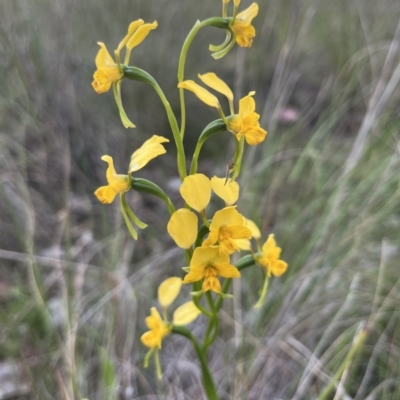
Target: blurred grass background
74	287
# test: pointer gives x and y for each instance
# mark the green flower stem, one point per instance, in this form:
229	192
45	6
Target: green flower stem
358	342
238	157
213	324
263	292
244	262
208	381
218	22
208	332
215	127
196	299
203	231
215	332
205	219
141	75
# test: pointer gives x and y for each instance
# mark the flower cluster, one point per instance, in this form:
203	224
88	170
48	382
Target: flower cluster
210	245
159	327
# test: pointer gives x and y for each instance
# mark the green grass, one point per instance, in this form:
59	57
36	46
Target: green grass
327	185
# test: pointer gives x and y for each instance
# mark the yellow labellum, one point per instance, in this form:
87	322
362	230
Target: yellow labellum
225	189
185	314
196	191
168	291
182	227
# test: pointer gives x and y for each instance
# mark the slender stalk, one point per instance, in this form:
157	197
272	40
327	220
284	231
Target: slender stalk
141	75
182	60
213	324
175	131
238	157
208	381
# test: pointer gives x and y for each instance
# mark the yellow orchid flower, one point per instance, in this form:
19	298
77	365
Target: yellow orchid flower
242	28
245	123
239	27
159	327
270	258
110	72
158	330
226	226
117	183
207	264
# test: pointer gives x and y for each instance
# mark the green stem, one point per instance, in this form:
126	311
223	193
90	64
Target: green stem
141	75
219	22
196	299
263	292
215	127
214	333
238	157
200	235
208	381
213	324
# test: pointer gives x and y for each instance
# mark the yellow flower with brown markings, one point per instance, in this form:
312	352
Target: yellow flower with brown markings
208	264
226	226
